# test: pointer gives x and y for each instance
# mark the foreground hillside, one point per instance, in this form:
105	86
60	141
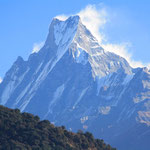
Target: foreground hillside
23	131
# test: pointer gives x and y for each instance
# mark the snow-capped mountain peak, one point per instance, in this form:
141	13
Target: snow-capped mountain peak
72	35
64	31
73	81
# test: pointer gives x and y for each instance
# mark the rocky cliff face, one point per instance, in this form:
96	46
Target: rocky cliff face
73	81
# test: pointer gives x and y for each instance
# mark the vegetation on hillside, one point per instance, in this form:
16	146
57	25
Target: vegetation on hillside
24	131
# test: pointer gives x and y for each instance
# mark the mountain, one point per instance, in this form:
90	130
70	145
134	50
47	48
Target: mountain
26	132
73	81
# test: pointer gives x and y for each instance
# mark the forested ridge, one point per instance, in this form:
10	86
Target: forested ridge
24	131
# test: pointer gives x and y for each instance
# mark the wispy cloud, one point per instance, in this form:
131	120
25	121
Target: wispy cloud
122	49
37	47
95	18
62	17
1	80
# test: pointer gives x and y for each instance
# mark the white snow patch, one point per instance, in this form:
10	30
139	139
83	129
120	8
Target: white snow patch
95	46
37	70
58	31
128	78
120	95
80	56
129	113
111	64
104	110
103	81
63	34
22	94
80	97
84	119
11	86
66	40
26	102
58	93
7	92
63	38
37	47
42	75
141	97
121	116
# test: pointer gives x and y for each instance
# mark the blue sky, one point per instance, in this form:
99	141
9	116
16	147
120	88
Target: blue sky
25	22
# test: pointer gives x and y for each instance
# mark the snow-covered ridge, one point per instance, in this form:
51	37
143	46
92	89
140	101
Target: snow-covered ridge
65	30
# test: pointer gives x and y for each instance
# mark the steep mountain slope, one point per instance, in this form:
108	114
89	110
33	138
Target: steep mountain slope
26	132
73	81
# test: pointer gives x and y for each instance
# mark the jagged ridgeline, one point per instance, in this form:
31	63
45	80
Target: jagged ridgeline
24	131
73	81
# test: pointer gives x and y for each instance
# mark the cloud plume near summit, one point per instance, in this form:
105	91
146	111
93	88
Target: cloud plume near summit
1	79
95	19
